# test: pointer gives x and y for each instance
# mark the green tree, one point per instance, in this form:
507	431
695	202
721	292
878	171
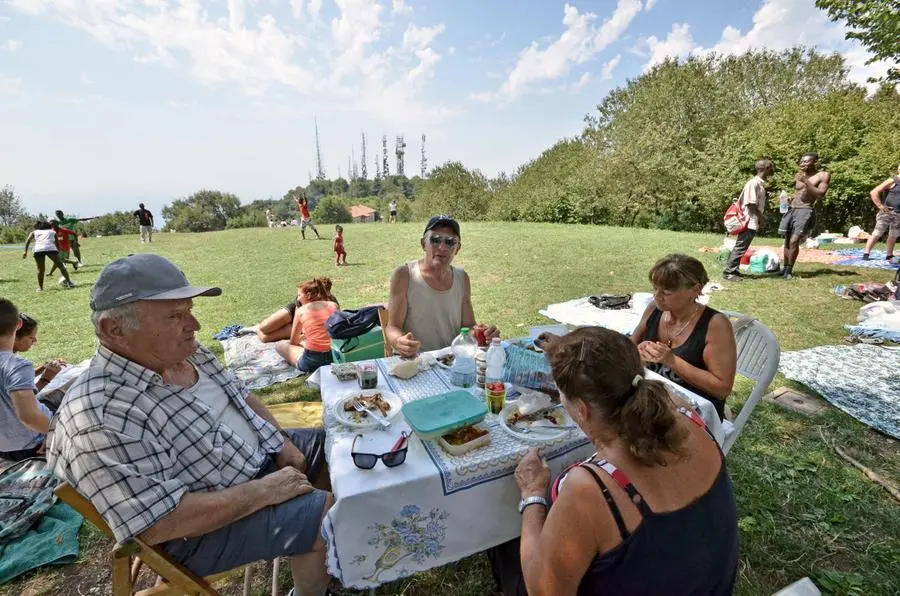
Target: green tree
11	209
331	210
875	23
203	211
110	224
454	190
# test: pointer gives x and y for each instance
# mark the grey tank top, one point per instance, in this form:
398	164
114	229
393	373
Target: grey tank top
433	317
892	196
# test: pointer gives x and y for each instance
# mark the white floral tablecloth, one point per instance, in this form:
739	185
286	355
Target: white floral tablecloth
435	508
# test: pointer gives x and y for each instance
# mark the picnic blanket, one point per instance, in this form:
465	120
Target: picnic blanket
580	312
861	380
52	541
35	529
255	363
853	258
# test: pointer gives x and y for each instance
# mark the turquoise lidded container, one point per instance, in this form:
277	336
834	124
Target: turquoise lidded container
437	415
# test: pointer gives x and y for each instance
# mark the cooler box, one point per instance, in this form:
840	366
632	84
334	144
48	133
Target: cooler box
368	346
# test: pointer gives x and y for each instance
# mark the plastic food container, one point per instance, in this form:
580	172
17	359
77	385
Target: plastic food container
464	448
434	416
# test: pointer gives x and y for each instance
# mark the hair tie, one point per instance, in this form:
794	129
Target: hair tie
636	381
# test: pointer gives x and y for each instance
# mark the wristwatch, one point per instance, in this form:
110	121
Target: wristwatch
535	500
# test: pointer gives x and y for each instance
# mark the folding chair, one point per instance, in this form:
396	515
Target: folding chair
128	557
758	354
383	321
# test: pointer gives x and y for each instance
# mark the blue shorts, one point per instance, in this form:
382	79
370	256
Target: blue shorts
282	530
310	361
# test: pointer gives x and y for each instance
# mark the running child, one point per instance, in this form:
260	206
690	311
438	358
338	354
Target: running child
339	245
46	247
305	219
62	239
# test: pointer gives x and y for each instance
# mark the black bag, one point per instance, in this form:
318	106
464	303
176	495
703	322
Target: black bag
610	302
344	324
897	283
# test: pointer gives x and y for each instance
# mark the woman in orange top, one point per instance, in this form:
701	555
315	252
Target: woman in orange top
310	346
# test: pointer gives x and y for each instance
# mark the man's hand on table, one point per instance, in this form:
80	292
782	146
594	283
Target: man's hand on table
285	484
291	457
407	345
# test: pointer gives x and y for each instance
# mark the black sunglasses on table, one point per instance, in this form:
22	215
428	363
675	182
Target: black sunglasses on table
391	459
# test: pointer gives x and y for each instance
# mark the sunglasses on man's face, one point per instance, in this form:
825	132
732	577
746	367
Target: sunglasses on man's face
392	459
436	240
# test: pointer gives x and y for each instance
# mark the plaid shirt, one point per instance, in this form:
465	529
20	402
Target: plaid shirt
134	445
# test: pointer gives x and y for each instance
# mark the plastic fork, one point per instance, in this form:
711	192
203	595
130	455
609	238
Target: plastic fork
357	405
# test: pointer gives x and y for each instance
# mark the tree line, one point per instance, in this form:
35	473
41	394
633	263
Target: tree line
669	149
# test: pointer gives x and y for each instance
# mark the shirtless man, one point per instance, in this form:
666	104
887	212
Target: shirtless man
798	223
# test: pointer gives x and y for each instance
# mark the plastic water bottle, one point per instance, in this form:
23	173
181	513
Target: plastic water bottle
462	372
494	389
783	202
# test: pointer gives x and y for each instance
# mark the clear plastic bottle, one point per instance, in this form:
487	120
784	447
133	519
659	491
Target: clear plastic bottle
462	372
783	202
494	389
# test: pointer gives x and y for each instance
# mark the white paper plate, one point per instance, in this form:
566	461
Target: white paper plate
544	435
354	420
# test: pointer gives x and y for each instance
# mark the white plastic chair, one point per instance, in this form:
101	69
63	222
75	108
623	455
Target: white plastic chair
758	354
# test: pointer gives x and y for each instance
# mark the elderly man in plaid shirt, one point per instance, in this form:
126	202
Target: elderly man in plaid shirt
168	446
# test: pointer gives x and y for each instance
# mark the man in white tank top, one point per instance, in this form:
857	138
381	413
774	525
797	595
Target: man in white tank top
430	299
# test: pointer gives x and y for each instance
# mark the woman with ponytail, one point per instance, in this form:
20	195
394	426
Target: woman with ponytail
651	512
309	346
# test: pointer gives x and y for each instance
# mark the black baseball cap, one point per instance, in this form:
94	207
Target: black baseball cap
443	221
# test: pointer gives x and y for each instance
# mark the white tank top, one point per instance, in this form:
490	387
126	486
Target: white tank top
44	241
433	317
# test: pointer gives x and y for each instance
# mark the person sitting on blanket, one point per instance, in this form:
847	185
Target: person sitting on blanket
26	337
652	512
430	298
309	346
23	419
172	449
683	340
278	325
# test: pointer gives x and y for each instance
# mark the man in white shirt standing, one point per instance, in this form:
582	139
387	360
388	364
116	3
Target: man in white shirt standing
753	202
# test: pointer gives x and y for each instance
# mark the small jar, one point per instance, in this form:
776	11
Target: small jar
480	367
368	376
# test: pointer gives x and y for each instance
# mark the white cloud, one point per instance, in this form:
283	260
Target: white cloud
420	37
581	83
3	19
350	62
400	7
608	68
85	80
777	25
10	85
451	50
11	45
580	42
677	44
648	6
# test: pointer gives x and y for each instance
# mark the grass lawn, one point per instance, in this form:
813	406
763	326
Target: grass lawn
803	510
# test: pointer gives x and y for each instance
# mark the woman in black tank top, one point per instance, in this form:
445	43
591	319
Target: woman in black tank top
682	340
652	512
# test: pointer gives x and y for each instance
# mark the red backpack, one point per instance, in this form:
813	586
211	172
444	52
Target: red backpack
735	218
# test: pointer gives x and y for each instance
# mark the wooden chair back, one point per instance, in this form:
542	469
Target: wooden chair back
383	321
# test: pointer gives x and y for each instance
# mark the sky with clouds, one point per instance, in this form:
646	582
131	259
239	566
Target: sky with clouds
104	103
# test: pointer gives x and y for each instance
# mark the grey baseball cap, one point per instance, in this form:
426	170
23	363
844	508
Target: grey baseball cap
143	277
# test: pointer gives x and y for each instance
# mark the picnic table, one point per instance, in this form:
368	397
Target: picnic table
436	508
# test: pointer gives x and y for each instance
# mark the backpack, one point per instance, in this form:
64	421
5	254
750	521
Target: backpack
897	283
344	324
735	219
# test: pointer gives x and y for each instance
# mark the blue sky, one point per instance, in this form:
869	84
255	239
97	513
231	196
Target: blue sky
105	103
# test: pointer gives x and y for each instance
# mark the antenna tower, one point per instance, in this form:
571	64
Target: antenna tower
399	150
423	164
385	167
362	159
355	168
320	172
